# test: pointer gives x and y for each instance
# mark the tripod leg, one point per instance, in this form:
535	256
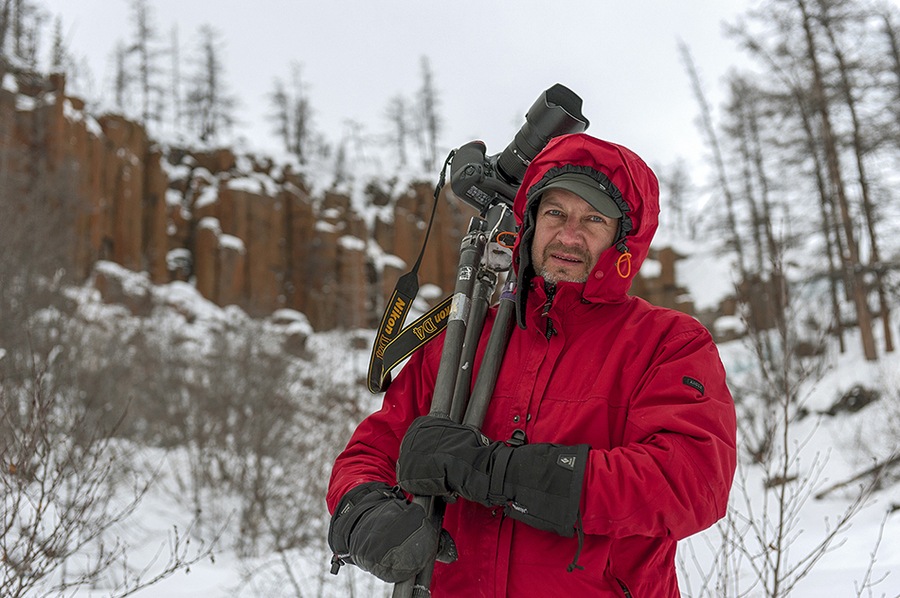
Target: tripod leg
484	288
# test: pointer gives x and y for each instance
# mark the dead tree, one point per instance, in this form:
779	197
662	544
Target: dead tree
799	104
832	157
708	129
860	147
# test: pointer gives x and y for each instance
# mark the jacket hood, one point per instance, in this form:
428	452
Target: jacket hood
630	183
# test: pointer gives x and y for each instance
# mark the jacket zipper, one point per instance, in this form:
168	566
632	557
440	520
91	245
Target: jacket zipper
550	289
550	329
625	589
551	293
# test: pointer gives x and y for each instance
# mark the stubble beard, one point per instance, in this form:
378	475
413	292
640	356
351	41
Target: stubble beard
554	276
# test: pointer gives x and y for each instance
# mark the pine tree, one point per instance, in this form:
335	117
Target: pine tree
398	120
292	115
210	107
175	55
429	123
145	49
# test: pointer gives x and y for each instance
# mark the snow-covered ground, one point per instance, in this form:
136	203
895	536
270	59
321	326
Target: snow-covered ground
825	451
829	449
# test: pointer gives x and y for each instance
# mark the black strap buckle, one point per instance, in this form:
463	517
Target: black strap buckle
518	438
336	564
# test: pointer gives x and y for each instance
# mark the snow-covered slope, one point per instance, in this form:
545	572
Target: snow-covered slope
825	450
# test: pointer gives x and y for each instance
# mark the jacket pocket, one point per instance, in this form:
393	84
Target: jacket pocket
625	589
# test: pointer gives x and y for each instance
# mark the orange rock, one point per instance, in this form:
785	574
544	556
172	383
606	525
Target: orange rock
206	253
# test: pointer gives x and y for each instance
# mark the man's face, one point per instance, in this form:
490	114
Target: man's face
569	237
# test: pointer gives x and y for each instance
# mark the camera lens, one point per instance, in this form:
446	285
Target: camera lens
556	112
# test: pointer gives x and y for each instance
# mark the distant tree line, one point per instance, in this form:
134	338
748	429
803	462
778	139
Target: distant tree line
805	153
414	123
150	84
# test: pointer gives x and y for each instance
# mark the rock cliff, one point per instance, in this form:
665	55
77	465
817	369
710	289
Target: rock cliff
243	231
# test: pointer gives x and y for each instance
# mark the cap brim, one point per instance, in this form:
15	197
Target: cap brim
587	189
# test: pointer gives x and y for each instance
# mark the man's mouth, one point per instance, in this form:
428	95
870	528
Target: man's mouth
565	258
568	255
563	263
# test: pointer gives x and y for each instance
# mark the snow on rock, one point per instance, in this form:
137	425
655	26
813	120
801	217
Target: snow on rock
288	317
208	196
651	268
707	276
232	242
296	329
9	83
254	183
729	327
178	258
325	227
177	172
173	197
210	223
352	243
130	282
381	260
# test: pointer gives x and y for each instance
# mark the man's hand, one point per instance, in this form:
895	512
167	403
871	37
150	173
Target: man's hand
539	484
440	458
377	529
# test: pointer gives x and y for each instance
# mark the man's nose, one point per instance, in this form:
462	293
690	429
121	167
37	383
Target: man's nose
570	233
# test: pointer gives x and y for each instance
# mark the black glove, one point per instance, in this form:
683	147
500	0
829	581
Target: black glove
375	528
538	484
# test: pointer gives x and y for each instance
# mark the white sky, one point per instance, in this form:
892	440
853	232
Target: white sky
491	60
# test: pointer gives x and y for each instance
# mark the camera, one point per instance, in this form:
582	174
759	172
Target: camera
481	180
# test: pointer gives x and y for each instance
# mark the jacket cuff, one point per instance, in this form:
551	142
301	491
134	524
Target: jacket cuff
545	482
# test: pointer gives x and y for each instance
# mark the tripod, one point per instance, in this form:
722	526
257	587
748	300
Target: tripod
484	253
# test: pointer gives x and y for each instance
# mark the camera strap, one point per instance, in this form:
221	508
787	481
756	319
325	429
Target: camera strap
393	343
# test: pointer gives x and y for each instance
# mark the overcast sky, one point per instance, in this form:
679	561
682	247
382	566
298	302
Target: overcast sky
490	59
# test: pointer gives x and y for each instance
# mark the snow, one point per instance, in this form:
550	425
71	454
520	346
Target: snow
232	242
828	449
352	243
836	446
255	183
325	227
330	214
651	269
187	300
707	278
178	172
288	316
133	283
178	256
173	197
380	259
25	103
208	196
9	83
210	223
726	324
703	271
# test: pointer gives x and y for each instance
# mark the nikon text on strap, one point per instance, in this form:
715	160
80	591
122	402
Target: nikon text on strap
412	338
395	313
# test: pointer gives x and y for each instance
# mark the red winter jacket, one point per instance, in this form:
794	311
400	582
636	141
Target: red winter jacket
643	385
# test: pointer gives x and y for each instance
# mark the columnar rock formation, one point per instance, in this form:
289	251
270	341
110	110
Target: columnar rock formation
244	232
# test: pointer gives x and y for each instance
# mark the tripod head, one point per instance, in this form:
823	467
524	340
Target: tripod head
482	181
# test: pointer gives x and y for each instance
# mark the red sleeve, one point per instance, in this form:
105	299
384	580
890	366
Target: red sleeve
672	475
371	454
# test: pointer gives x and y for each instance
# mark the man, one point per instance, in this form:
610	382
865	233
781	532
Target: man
619	430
